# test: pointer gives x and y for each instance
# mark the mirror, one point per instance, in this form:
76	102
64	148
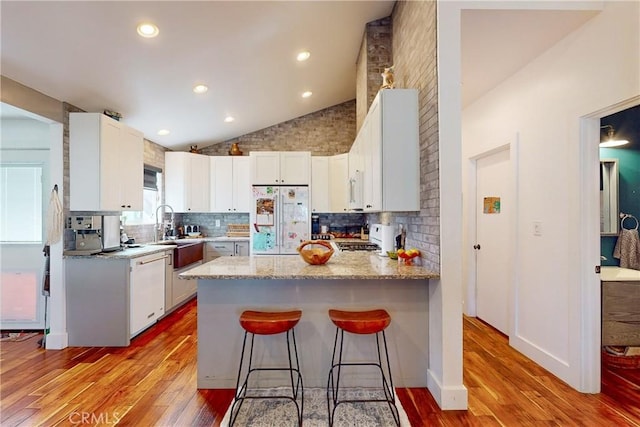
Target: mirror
609	214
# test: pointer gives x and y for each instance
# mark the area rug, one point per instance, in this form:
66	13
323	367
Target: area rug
17	336
281	413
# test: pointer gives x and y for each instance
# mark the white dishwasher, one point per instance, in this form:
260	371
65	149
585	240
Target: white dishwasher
147	288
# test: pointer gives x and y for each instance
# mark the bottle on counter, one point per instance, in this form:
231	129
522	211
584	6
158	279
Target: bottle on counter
364	231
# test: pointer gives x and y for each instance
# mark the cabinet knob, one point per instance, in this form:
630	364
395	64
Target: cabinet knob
476	246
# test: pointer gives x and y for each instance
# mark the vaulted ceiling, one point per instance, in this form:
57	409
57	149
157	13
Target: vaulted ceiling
89	54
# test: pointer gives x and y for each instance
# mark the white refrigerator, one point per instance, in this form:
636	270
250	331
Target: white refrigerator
280	219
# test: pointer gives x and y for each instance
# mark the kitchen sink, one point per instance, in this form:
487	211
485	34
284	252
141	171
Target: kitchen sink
186	252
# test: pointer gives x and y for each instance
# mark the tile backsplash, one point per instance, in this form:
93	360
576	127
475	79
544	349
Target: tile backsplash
207	221
209	228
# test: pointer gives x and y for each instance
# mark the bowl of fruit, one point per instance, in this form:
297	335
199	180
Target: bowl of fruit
408	257
315	252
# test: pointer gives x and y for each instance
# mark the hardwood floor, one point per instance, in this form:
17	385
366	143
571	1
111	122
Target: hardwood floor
152	383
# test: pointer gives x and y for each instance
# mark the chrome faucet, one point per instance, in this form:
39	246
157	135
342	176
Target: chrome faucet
161	226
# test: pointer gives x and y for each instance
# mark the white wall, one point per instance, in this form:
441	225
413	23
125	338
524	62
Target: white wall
24	133
594	67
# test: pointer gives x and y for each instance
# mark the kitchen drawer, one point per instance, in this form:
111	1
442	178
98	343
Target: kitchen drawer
214	250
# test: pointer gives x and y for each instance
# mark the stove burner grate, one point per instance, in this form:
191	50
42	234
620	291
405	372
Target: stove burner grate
356	246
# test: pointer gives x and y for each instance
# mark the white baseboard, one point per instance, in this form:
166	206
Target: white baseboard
449	398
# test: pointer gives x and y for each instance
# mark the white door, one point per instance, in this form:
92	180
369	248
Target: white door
493	207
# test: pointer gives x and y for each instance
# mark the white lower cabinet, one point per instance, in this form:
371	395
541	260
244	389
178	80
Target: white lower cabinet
146	301
214	250
183	289
110	300
241	249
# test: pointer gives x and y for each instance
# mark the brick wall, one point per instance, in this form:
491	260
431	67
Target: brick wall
324	133
415	60
375	55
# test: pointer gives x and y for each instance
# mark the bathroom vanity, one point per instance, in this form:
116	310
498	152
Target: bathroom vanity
620	306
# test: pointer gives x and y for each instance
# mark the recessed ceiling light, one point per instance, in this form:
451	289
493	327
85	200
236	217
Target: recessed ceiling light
303	56
200	88
147	29
307	94
163	132
228	119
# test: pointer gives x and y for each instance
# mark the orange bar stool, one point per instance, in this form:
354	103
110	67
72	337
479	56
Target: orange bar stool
269	323
360	322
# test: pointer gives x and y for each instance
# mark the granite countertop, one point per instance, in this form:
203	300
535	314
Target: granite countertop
226	239
618	274
342	265
126	253
151	248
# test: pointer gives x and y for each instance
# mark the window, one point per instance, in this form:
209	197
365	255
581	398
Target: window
21	203
151	199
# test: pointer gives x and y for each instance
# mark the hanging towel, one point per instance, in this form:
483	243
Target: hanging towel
54	218
627	249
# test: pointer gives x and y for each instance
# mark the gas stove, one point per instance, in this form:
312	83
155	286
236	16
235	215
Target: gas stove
358	246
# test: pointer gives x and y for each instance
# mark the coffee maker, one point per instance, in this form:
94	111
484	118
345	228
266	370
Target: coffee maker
88	240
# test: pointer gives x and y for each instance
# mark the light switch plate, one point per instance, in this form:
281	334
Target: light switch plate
537	228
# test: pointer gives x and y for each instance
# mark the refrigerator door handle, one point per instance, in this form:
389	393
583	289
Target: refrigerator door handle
281	222
276	219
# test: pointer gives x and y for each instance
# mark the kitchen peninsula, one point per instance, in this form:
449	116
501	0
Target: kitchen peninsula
350	280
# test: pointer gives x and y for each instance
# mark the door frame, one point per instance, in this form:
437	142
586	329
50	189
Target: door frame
472	215
590	296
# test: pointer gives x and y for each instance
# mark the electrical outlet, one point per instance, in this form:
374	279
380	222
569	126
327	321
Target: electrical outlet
217	223
537	228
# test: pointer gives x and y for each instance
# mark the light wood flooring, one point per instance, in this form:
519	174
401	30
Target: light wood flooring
153	383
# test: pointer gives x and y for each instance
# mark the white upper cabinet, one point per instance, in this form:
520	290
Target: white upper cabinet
187	181
241	184
387	150
339	183
295	168
320	184
230	184
265	167
280	167
330	183
105	164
